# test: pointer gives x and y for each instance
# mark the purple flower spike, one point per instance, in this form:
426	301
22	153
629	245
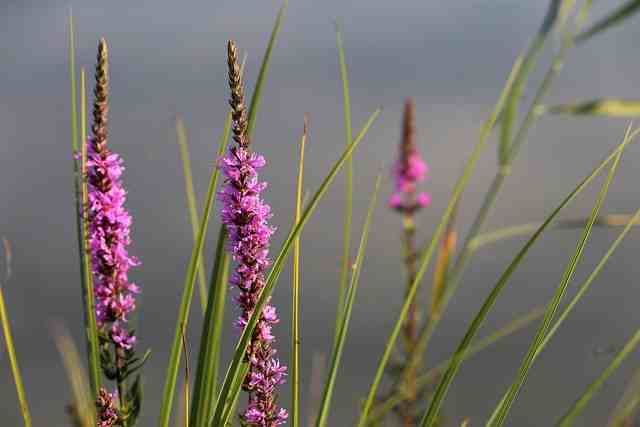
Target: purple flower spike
109	222
409	170
245	216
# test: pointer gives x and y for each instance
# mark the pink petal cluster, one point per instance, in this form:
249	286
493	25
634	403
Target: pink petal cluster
245	216
109	237
408	172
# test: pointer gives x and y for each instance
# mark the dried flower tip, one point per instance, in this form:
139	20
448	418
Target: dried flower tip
238	108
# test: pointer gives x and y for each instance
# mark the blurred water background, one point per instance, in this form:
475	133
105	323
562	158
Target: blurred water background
168	58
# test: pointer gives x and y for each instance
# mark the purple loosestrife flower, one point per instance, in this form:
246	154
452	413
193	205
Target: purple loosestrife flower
245	216
107	412
410	169
109	222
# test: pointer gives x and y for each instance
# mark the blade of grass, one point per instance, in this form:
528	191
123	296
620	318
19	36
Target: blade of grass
495	236
78	179
234	369
508	152
617	16
348	197
431	414
205	380
583	288
430	376
336	357
185	349
183	143
295	292
621	413
608	107
570	417
83	403
11	350
426	254
502	410
264	68
90	310
185	303
510	113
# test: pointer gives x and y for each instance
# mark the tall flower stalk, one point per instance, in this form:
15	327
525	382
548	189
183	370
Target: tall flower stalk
409	170
109	237
245	216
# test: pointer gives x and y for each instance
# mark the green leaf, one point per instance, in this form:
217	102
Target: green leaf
461	184
614	18
264	68
79	170
183	143
501	412
295	292
570	417
11	350
426	379
510	113
234	370
348	197
607	107
185	301
431	415
209	347
336	357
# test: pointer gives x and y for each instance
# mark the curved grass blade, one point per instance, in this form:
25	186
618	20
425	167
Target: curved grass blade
430	376
338	348
295	292
11	350
617	16
209	348
348	197
521	230
233	371
431	414
264	68
461	184
183	143
185	301
607	107
501	412
583	288
83	404
570	417
510	113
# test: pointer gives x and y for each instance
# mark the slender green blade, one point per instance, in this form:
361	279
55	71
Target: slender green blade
11	350
614	18
424	380
84	405
510	113
502	410
185	304
90	309
431	414
264	68
235	368
295	292
428	252
348	197
608	107
205	380
583	288
78	183
570	417
192	205
336	357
